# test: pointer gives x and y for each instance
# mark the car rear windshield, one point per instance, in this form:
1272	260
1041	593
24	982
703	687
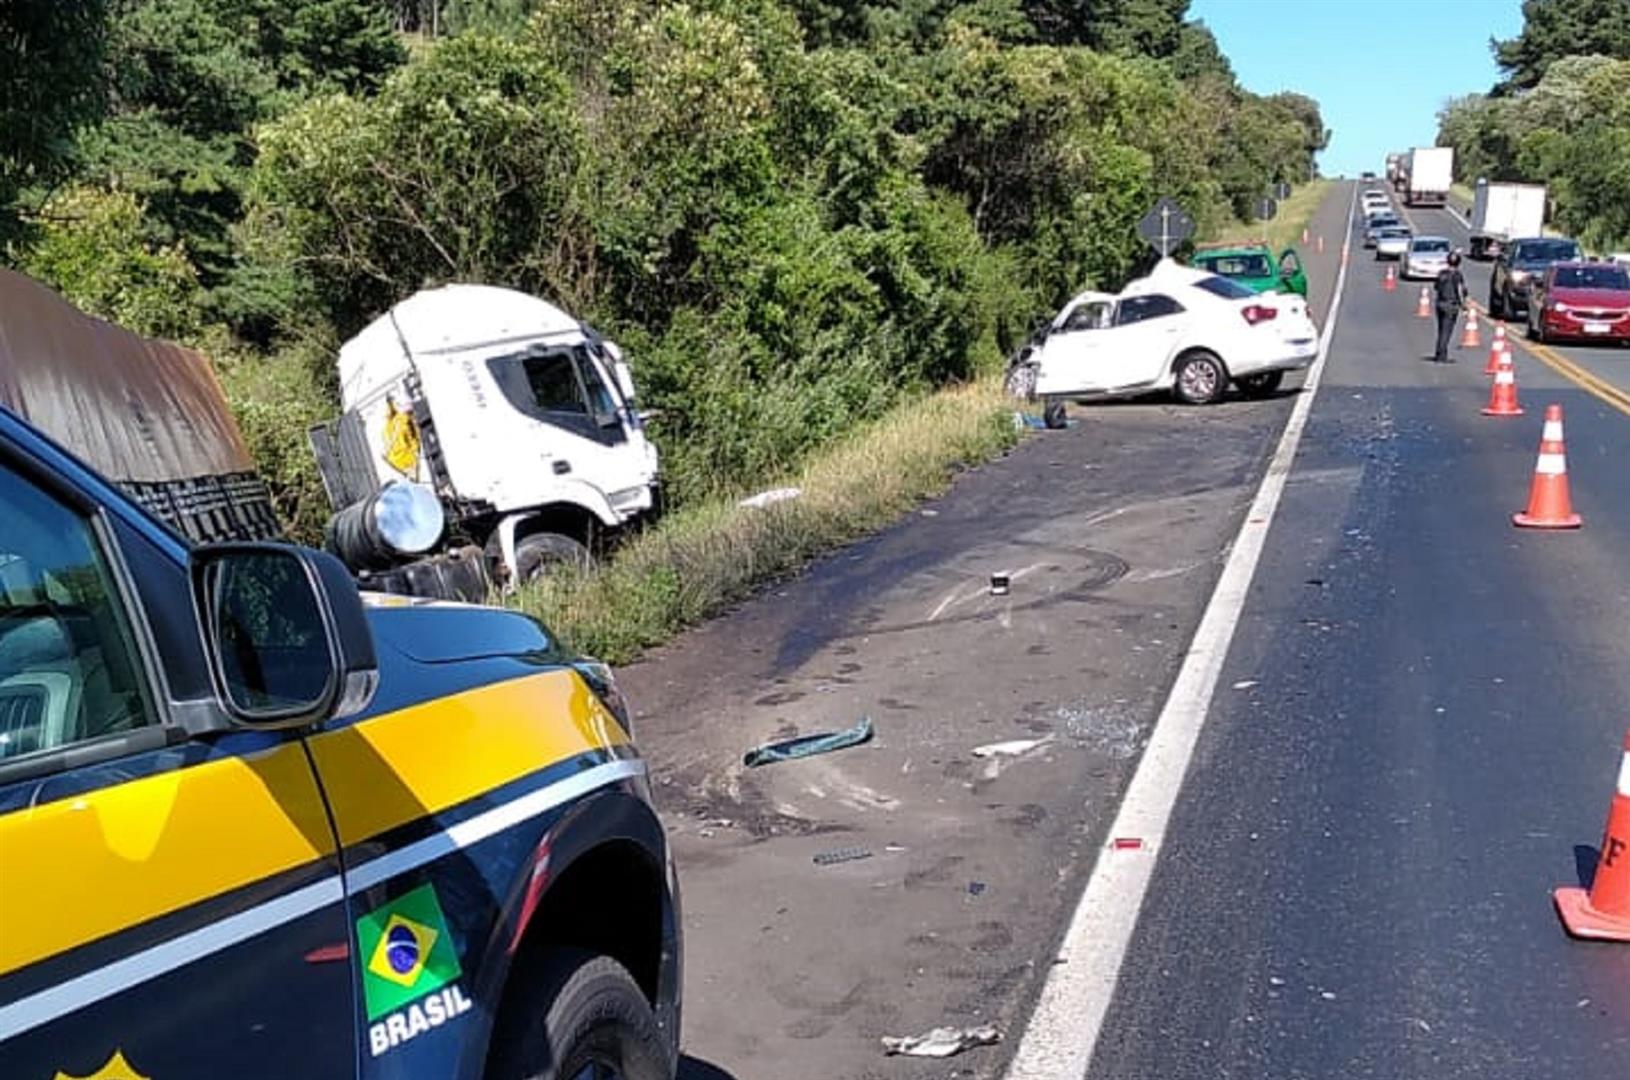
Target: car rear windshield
1239	265
1592	277
1221	286
1431	245
1545	251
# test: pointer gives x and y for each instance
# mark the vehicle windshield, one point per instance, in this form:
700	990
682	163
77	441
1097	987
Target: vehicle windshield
1394	233
1252	266
1592	277
1431	246
1545	251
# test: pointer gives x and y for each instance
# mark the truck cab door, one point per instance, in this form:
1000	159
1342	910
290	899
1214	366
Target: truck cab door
590	433
172	905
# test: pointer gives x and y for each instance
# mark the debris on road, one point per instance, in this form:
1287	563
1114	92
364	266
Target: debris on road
1244	684
1022	420
768	498
841	855
1010	748
975	888
809	745
942	1042
1000	583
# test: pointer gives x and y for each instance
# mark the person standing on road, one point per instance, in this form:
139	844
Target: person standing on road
1450	290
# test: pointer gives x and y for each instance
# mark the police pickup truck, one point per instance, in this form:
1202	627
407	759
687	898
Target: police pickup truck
251	826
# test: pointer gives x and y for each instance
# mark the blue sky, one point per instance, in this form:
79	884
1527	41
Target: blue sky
1379	69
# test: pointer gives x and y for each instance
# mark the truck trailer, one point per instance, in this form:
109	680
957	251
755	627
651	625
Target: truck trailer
1501	213
147	414
1430	172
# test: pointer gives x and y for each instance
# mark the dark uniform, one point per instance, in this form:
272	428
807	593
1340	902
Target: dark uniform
1450	290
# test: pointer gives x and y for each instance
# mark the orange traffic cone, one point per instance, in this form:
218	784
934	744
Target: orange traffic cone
1503	394
1497	348
1468	337
1390	283
1423	307
1604	912
1548	504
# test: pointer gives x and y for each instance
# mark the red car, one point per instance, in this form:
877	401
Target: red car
1581	300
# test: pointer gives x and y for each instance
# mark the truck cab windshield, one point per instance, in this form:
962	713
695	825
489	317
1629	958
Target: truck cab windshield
559	386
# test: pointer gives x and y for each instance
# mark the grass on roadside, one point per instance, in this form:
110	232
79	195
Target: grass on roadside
1285	230
705	557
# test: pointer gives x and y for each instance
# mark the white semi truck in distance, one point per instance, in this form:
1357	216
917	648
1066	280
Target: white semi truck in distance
1502	213
487	437
1430	172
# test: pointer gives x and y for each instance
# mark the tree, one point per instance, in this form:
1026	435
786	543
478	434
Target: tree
50	64
1553	29
1130	27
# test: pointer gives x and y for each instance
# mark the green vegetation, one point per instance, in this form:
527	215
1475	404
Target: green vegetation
794	214
1561	116
801	218
1285	230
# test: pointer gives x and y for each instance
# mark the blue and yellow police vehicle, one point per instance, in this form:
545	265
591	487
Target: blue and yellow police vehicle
253	826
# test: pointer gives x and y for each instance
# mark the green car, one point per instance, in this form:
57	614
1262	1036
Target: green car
1253	266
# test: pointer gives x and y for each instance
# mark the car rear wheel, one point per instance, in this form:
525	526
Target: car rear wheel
584	1018
1054	416
1261	385
1201	378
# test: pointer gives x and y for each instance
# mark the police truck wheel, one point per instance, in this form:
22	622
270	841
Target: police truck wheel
584	1018
539	554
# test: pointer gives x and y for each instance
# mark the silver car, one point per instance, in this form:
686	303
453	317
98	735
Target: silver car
1426	257
1392	243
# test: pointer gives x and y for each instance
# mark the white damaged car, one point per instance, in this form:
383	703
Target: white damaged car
1179	329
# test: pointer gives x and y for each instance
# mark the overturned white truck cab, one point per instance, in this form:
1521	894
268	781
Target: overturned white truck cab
487	436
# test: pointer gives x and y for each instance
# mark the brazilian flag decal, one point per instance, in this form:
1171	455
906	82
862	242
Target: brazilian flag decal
405	951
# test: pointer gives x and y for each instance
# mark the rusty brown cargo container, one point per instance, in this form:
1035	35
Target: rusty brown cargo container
149	415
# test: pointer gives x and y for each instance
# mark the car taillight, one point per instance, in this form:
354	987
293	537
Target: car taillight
1255	313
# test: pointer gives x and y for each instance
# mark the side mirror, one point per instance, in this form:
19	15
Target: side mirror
625	378
285	634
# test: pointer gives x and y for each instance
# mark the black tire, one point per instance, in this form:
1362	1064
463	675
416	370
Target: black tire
1201	378
1260	386
540	553
582	1012
1054	416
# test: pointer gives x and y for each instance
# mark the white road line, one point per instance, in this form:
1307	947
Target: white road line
1059	1041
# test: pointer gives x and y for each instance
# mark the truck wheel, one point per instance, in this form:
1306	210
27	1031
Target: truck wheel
1053	416
540	553
1201	378
1260	386
583	1019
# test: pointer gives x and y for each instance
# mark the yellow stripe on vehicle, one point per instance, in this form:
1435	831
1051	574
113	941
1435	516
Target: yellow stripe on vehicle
397	768
80	868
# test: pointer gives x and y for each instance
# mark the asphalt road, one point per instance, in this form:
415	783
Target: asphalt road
1424	738
1114	531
